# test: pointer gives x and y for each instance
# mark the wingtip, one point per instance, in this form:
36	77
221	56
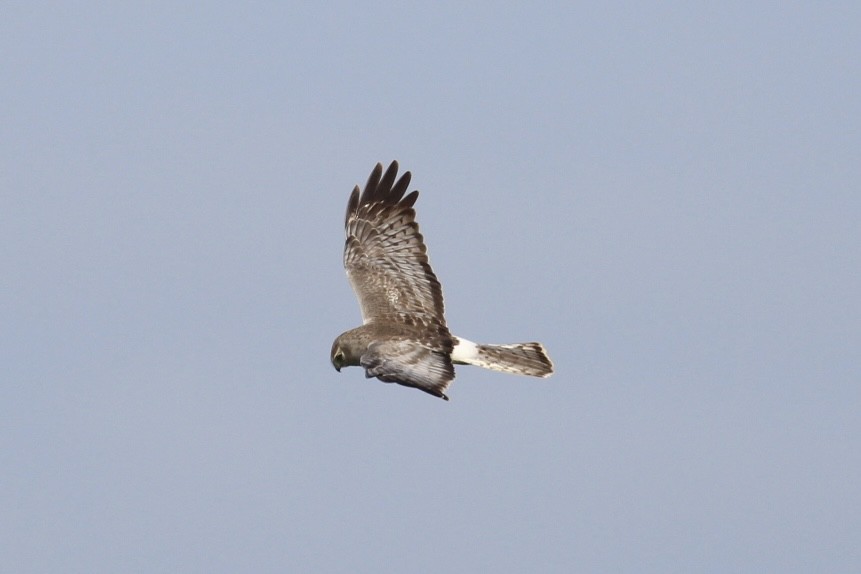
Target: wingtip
352	204
386	187
372	184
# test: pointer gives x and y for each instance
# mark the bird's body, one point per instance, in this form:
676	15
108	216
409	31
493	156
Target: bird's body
404	338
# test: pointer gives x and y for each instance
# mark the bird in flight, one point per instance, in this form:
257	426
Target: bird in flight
404	338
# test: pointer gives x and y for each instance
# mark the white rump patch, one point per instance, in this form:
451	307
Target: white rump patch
465	352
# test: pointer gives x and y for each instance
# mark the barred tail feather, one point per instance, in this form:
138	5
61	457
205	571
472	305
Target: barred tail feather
520	359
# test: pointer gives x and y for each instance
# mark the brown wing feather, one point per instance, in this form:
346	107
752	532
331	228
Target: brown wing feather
385	255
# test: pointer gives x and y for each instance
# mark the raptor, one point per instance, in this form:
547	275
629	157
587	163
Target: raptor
404	338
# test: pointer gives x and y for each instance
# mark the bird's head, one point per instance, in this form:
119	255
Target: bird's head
337	357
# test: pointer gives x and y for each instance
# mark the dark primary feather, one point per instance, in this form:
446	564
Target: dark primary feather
352	204
382	189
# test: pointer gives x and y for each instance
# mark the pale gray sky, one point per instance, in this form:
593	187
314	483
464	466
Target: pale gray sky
667	197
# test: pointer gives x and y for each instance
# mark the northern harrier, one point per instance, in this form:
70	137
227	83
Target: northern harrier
404	338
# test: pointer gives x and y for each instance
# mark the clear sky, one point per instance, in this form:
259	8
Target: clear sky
667	197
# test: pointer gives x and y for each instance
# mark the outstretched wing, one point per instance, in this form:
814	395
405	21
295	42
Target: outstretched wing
385	255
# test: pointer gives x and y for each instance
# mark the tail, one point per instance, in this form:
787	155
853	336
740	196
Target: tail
520	359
